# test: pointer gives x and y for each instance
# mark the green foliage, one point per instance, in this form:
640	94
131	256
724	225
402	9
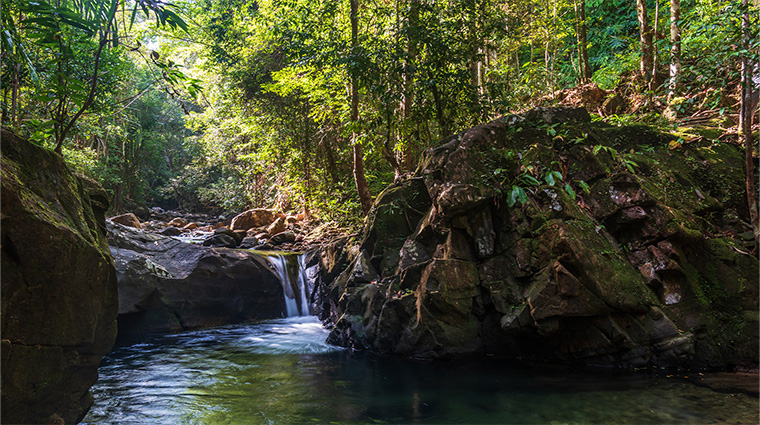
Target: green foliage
265	86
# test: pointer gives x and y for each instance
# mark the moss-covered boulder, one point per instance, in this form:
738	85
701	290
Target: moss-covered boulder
545	236
59	300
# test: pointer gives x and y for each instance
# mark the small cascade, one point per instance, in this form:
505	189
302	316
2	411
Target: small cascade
292	273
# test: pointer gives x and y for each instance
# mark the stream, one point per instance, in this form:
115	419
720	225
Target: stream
282	371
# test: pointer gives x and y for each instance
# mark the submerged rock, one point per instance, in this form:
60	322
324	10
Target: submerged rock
166	285
59	300
545	237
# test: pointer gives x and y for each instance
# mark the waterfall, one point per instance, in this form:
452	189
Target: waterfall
292	273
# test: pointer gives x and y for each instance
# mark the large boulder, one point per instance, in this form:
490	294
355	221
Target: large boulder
546	237
253	218
128	219
59	300
166	285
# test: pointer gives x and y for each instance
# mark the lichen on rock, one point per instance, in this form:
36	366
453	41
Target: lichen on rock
620	253
59	300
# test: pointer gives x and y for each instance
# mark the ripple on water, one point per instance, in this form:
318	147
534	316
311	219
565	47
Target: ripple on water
282	371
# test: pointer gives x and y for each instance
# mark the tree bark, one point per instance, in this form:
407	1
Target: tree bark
4	118
407	157
746	125
584	70
675	49
358	154
94	85
439	113
332	168
14	92
306	159
655	82
645	35
582	38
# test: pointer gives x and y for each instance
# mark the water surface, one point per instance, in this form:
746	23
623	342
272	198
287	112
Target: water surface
282	371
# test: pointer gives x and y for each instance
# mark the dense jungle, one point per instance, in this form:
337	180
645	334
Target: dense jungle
380	211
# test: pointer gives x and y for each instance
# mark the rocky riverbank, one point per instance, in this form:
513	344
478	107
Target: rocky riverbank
59	300
167	285
549	238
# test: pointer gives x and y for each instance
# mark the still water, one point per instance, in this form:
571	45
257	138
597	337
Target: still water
281	371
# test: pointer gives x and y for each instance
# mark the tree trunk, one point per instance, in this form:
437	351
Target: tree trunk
4	118
332	168
64	130
388	153
675	49
746	124
361	183
14	92
439	113
584	70
656	81
407	157
645	35
306	162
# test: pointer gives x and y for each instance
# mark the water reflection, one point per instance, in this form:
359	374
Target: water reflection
283	372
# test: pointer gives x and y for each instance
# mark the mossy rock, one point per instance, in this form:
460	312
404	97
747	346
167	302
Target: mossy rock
623	262
59	301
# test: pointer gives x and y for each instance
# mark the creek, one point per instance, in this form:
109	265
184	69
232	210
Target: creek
282	371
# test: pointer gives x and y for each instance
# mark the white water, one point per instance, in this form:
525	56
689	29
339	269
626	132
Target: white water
292	273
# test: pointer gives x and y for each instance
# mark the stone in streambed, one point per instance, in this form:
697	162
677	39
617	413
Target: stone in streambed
127	219
253	218
171	231
283	237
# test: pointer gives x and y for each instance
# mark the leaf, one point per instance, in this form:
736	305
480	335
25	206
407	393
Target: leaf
630	164
525	178
517	194
584	187
570	191
36	23
553	177
549	177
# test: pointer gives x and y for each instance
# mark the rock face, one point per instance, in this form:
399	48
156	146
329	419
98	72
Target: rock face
545	237
59	299
166	285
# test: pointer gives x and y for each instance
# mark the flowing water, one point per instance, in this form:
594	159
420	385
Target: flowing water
290	268
282	372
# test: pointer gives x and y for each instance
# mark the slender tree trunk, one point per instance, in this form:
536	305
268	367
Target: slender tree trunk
407	157
332	168
14	93
444	128
388	153
746	124
675	49
361	182
584	70
61	136
306	161
546	64
4	118
645	35
656	81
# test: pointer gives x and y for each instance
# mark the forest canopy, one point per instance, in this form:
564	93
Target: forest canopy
315	106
